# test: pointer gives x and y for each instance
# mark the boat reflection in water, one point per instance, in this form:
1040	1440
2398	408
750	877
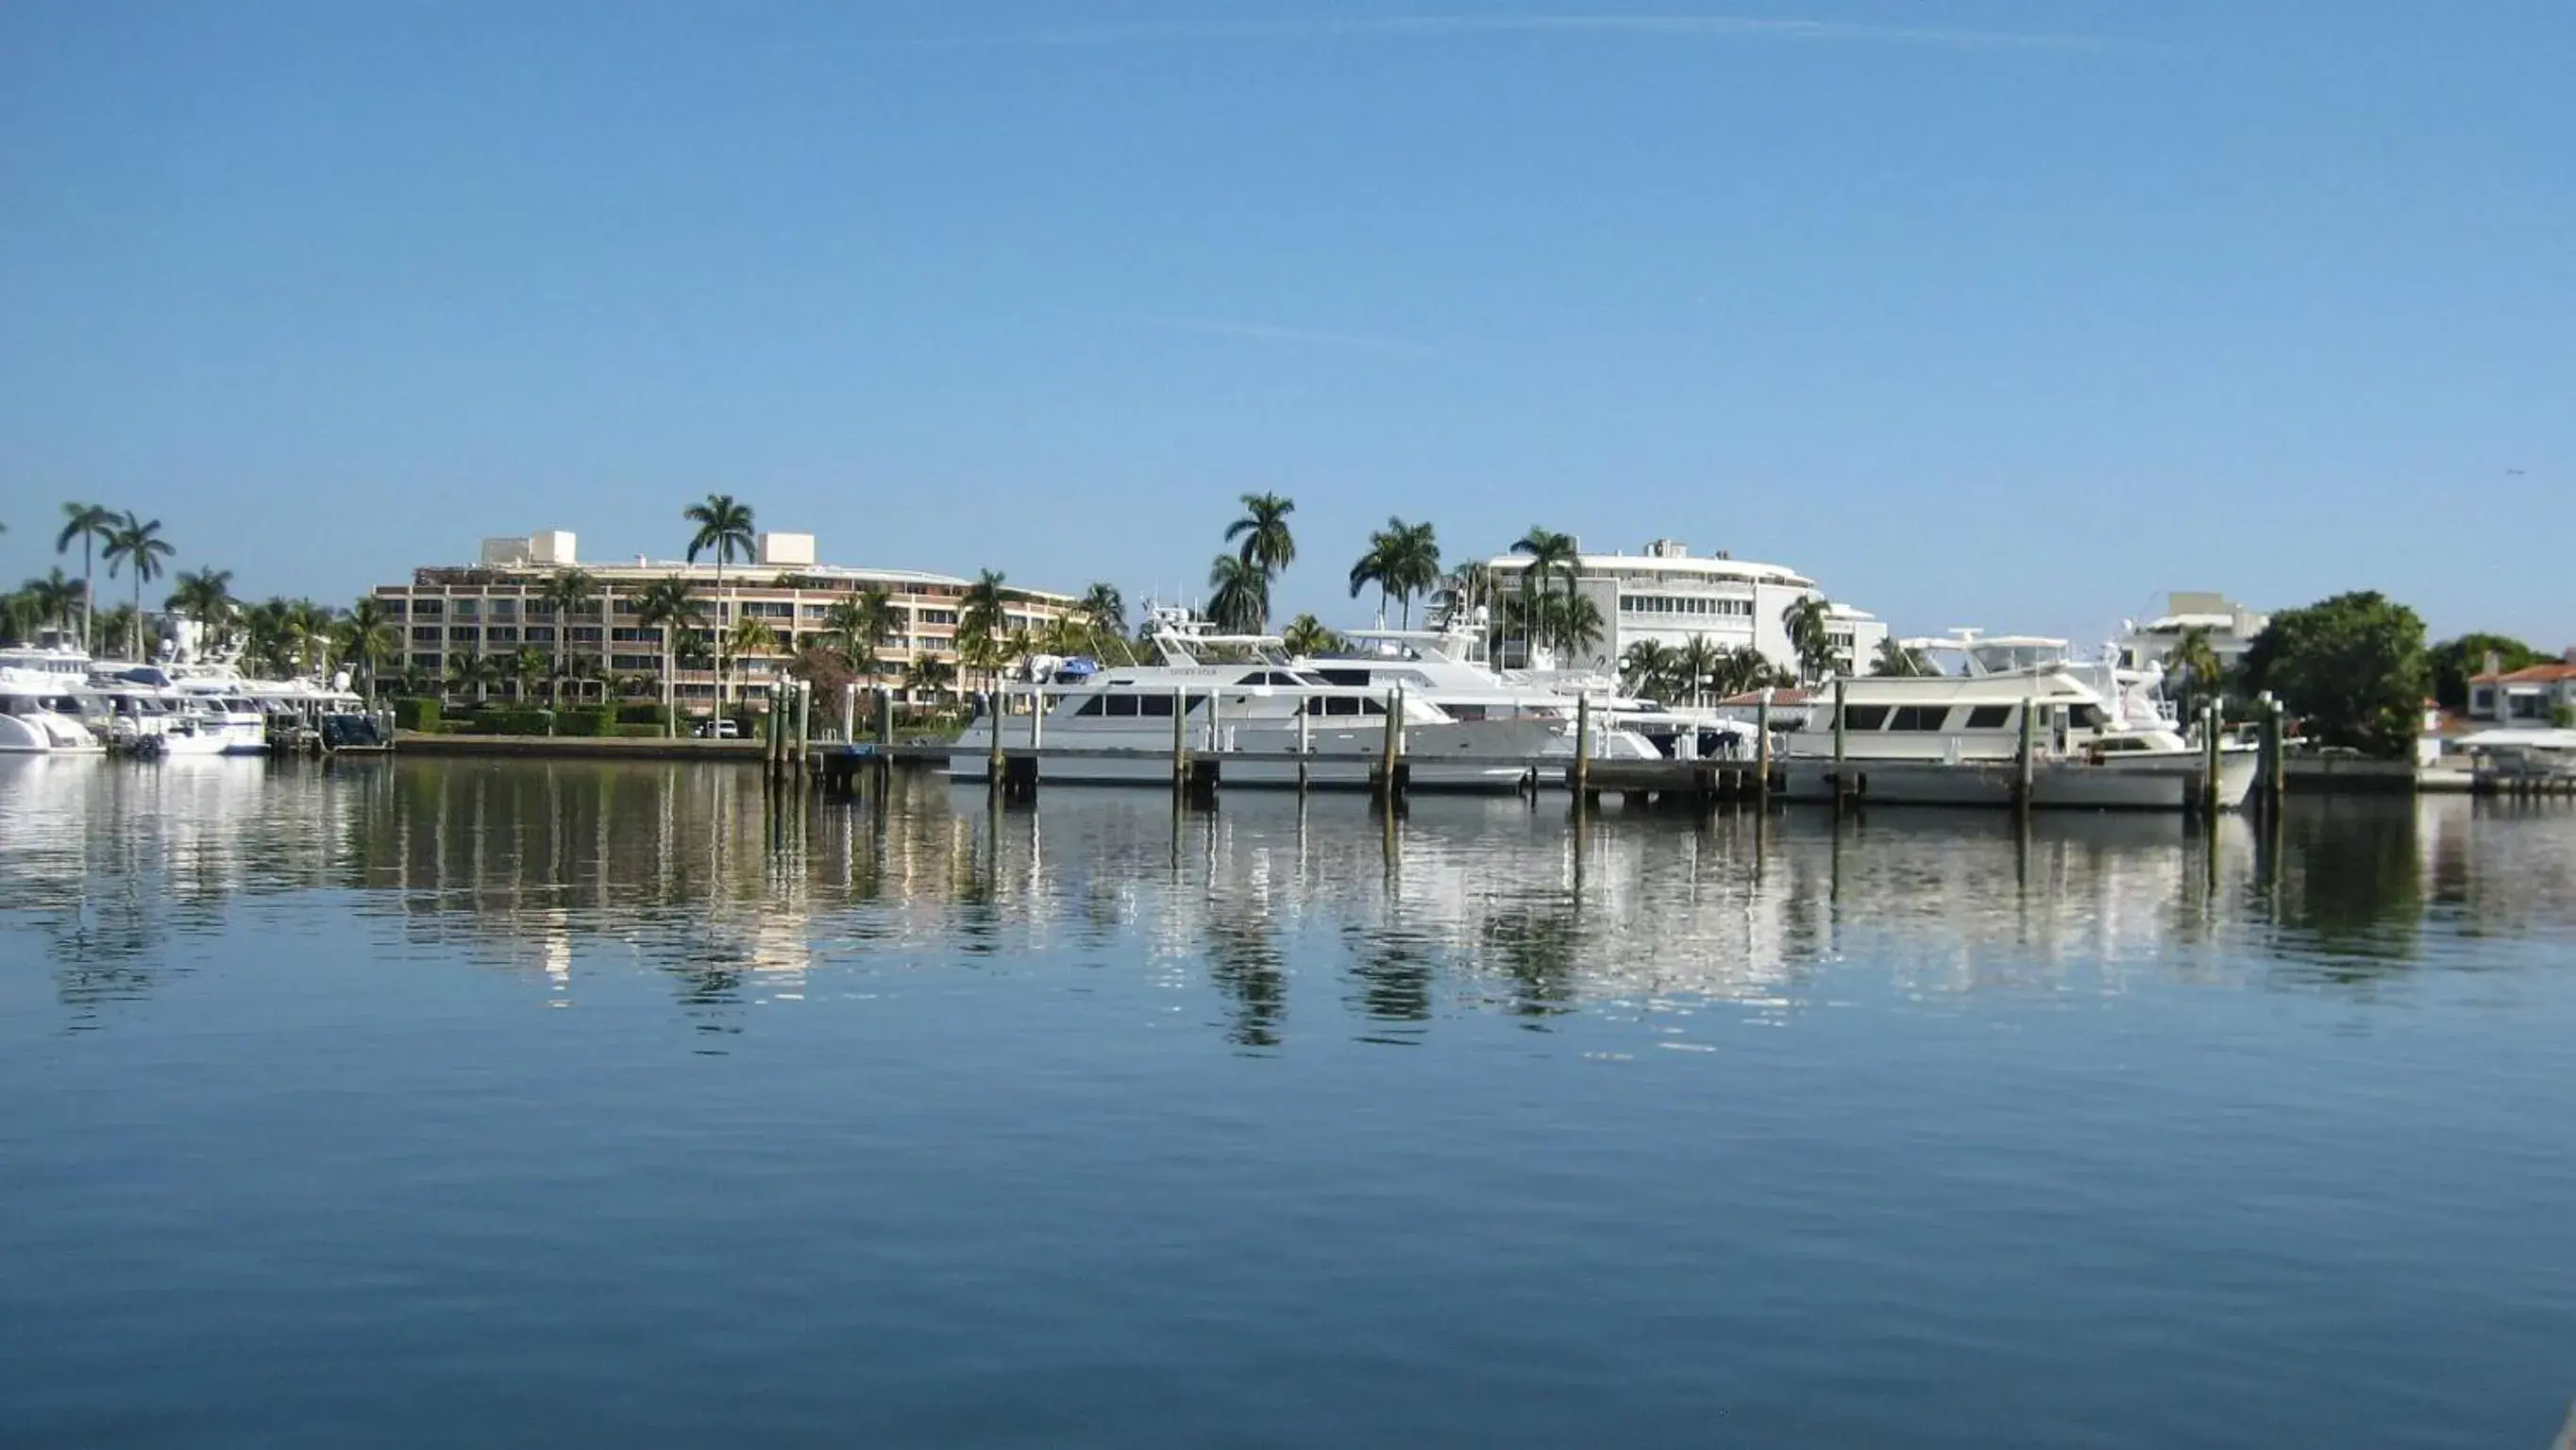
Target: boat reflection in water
561	871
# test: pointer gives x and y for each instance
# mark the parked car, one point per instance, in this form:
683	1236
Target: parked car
719	729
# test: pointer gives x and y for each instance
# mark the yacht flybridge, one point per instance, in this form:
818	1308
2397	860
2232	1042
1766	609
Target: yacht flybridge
1461	729
2101	735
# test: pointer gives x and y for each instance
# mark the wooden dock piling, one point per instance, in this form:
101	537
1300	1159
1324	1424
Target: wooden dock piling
1842	751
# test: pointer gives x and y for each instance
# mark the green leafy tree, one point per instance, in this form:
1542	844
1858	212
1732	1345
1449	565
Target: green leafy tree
982	624
565	593
118	629
2353	668
527	667
2454	661
88	525
136	545
724	529
856	628
1579	625
1402	560
927	677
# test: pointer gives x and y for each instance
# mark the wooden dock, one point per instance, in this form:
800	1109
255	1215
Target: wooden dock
1017	772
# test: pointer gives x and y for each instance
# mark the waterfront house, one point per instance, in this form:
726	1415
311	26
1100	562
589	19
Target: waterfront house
2533	695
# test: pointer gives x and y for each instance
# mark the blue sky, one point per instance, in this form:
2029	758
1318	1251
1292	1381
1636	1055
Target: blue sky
2007	314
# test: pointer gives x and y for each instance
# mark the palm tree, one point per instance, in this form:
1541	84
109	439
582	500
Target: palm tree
120	624
367	640
1697	665
1894	658
205	597
1267	544
928	675
309	631
1306	637
564	593
853	628
724	529
525	667
1743	668
1579	625
2197	664
750	635
139	546
1239	597
1104	611
981	623
1402	561
91	524
1646	667
1808	622
665	606
54	597
472	672
264	643
1552	555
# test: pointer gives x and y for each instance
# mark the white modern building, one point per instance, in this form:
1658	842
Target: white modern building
1669	595
2231	626
496	607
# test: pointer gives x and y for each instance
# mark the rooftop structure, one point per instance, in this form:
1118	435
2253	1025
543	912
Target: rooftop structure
2231	628
495	607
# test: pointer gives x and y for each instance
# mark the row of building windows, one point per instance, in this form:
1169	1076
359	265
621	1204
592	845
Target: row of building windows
1684	604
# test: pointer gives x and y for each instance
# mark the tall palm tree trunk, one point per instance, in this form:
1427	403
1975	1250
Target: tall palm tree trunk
720	631
89	594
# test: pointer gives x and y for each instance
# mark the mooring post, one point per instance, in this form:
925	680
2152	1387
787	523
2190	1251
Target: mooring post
2209	796
1037	718
885	714
2275	773
993	746
1582	747
1386	748
850	713
2026	753
1842	751
1762	751
1180	740
1305	738
1216	708
804	723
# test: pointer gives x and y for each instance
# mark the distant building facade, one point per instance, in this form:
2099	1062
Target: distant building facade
2231	626
2532	695
494	607
1669	595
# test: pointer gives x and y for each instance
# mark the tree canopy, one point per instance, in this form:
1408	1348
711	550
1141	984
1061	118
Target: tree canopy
2455	660
2353	669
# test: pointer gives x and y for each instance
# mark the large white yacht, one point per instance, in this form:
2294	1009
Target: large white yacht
1243	694
2102	735
40	700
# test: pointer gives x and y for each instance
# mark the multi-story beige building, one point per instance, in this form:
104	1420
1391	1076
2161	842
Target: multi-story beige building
495	607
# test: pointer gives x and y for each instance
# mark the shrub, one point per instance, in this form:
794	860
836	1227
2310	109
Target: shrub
638	732
416	714
645	714
586	722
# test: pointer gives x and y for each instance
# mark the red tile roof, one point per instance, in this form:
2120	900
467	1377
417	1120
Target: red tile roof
2548	674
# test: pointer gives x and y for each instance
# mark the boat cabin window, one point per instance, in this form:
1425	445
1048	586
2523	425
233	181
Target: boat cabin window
1919	717
2086	717
1864	717
2122	742
1343	705
1344	677
1990	717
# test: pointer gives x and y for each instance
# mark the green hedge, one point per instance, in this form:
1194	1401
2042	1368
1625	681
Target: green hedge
639	732
585	722
648	714
410	714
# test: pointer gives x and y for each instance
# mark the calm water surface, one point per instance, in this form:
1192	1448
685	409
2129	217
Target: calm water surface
441	1103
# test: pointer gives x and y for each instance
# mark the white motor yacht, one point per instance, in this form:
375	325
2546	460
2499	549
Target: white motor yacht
1261	702
2102	736
1444	667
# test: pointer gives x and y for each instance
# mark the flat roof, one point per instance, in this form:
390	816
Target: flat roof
749	576
1714	568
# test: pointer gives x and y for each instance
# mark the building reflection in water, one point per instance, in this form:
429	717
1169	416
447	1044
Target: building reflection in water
546	870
